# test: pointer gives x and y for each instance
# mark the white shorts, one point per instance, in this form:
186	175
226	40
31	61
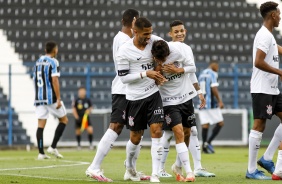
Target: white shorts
42	111
211	116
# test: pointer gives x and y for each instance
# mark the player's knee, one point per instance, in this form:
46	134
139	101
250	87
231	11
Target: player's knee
64	120
135	137
221	124
116	127
194	131
178	133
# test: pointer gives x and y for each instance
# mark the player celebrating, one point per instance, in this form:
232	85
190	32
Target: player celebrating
48	99
177	96
178	34
81	109
118	106
211	114
144	106
266	97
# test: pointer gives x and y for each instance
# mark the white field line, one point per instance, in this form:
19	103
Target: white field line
61	179
47	167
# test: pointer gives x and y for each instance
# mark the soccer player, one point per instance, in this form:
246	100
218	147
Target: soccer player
211	114
81	108
48	99
118	106
177	96
266	97
178	34
144	106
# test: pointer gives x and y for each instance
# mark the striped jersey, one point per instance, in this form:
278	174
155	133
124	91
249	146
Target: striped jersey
44	69
207	80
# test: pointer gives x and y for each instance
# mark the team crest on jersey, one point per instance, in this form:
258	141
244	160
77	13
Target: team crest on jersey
176	64
130	121
269	109
167	119
123	116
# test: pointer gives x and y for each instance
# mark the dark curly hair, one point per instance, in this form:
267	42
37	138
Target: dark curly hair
267	7
160	49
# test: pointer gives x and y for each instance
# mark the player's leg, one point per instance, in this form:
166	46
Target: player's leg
266	160
42	115
194	147
215	132
155	115
63	120
277	174
205	120
259	103
78	137
165	141
90	136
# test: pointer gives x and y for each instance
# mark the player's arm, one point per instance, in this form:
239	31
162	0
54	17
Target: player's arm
279	49
216	94
56	87
262	65
126	77
89	109
74	112
195	83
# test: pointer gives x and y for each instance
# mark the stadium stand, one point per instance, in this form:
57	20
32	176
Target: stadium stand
217	29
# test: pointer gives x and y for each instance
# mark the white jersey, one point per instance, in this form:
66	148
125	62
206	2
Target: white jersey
179	88
265	82
117	86
130	58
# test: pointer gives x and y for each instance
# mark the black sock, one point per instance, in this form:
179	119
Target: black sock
39	136
215	131
58	133
90	137
204	134
78	137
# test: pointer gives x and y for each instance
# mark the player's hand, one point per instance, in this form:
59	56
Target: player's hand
170	68
59	104
203	101
87	111
221	105
157	76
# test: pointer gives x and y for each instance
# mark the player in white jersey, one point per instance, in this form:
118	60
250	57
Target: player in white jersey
144	106
266	97
118	105
178	34
177	94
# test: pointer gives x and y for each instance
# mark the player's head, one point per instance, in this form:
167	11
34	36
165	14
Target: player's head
177	31
127	17
81	92
214	65
142	30
51	48
270	11
160	51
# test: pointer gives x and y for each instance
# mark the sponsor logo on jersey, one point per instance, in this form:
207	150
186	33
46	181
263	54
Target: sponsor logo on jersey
168	119
123	115
150	87
139	58
123	72
147	66
169	99
193	116
158	111
176	64
276	58
172	77
269	109
130	121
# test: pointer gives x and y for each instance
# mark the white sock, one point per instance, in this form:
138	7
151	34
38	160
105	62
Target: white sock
183	155
156	153
273	145
136	155
254	145
195	149
278	167
103	148
165	141
178	161
130	152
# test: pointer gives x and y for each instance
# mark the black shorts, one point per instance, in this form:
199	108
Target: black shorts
78	122
182	113
118	109
265	105
141	113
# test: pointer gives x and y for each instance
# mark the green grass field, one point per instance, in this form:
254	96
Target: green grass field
229	165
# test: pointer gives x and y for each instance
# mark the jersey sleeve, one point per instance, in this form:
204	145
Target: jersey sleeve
123	70
55	71
214	82
193	78
263	42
